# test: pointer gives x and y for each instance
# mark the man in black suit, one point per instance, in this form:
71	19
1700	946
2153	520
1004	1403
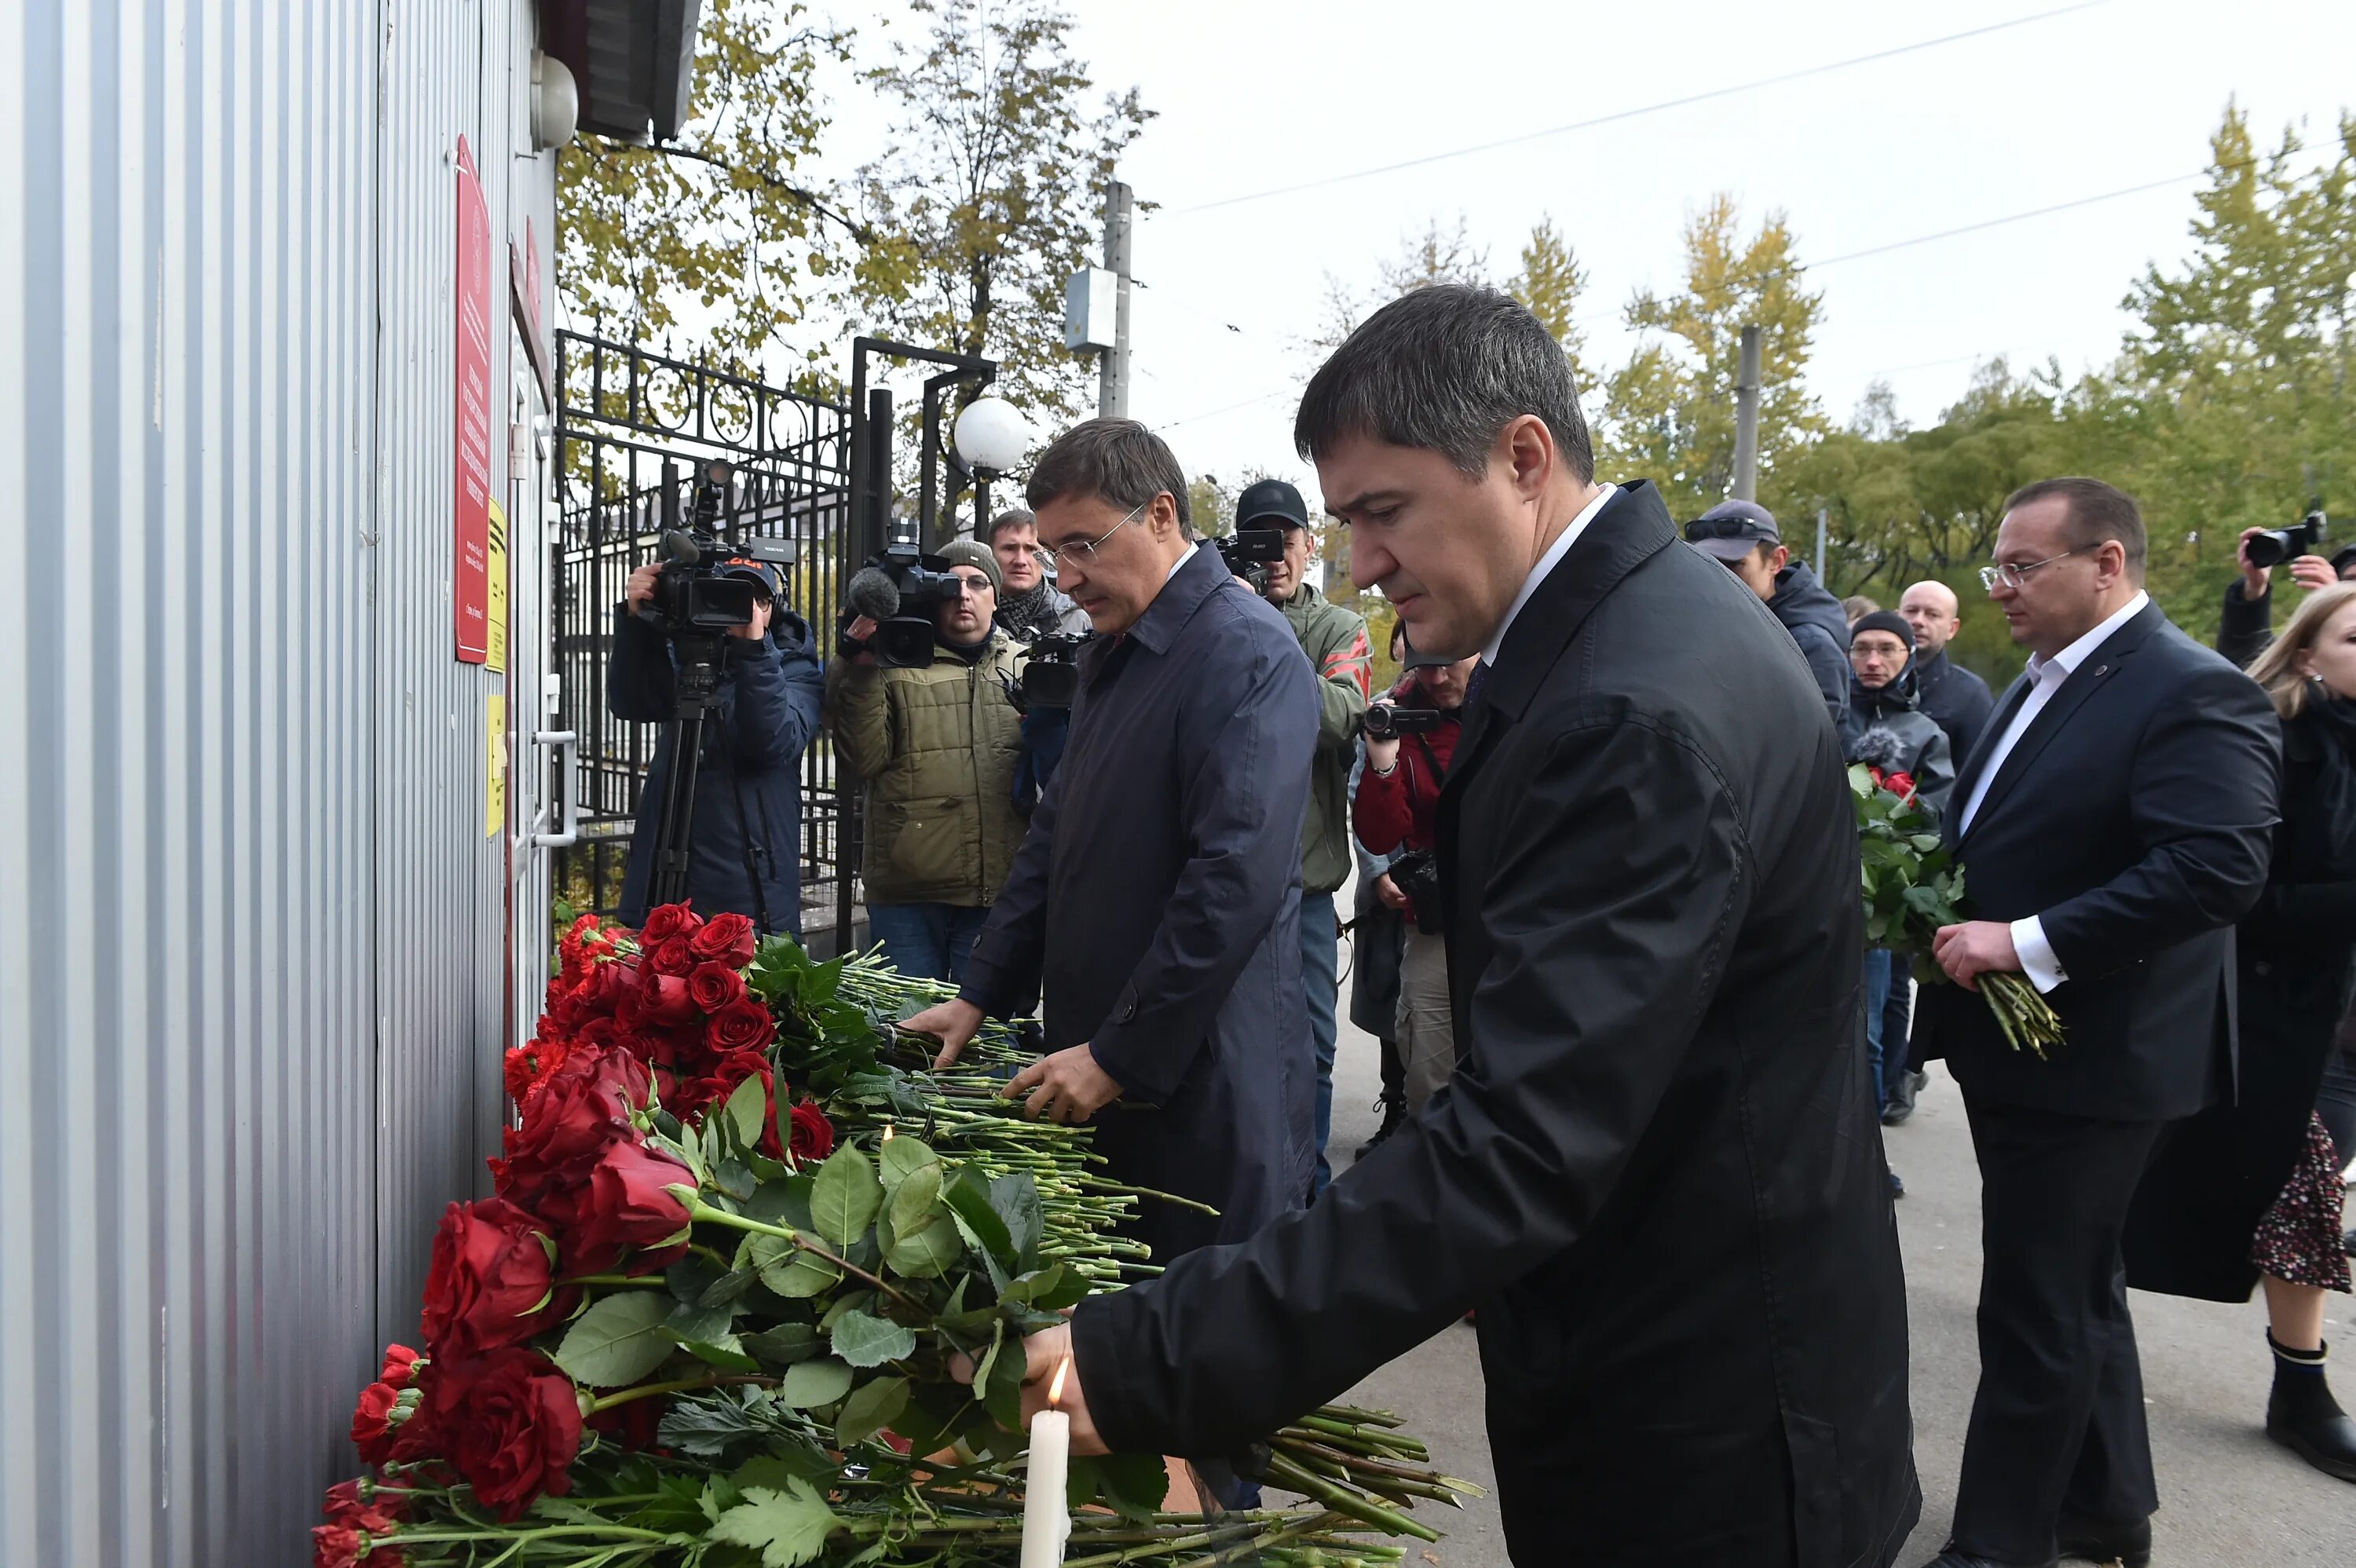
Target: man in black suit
1655	1171
2115	821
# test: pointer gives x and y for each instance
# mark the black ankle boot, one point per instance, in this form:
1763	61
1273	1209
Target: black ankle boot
1394	1113
2303	1417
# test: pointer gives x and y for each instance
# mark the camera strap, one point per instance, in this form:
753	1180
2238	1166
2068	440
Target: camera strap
1437	771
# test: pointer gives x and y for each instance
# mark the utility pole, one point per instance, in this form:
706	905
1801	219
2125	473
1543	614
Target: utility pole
1746	420
1820	544
1112	365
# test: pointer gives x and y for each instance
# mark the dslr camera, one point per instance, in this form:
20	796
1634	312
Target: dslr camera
2275	546
1388	721
898	589
696	595
1051	678
1248	551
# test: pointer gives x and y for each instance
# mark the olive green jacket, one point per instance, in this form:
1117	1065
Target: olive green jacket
937	748
1336	641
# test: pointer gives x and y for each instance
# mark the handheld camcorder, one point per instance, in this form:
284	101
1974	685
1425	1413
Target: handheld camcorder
1388	721
899	589
696	595
1051	677
1248	552
2278	544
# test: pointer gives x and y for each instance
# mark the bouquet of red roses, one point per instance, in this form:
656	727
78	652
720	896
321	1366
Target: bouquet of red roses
1912	887
701	1323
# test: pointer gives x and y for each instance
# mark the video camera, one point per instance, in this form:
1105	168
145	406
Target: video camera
695	593
898	589
1248	552
2275	546
1388	721
1051	677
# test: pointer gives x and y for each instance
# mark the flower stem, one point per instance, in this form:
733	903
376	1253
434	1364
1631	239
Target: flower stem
701	1212
682	1385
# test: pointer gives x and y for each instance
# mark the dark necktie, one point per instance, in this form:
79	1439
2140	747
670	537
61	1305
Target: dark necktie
1473	686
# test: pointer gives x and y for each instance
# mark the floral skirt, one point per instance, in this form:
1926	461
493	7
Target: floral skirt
2299	1239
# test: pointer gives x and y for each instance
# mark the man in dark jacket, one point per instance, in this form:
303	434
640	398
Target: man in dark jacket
745	853
1742	537
1156	901
2113	823
1654	1171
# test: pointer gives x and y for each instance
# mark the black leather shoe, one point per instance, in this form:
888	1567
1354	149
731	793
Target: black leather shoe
2096	1540
1900	1103
2303	1417
1951	1558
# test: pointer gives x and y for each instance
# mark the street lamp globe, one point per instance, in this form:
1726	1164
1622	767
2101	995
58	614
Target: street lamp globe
992	436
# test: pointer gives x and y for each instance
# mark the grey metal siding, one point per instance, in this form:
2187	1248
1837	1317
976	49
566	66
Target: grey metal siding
251	931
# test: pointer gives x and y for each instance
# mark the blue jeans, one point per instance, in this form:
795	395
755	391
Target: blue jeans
930	940
1877	1001
1320	975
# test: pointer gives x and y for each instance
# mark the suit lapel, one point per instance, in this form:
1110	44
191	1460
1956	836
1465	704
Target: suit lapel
2083	682
1991	732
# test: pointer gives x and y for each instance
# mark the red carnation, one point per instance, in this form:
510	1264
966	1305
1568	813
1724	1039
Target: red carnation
726	939
713	987
399	1366
668	921
676	957
372	1422
741	1026
362	1505
514	1424
493	1280
529	1065
335	1546
813	1135
626	1210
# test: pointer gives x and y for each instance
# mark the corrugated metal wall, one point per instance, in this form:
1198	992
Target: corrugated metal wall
252	941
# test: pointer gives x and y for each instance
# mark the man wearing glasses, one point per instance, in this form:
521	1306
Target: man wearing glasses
2114	820
1156	902
938	748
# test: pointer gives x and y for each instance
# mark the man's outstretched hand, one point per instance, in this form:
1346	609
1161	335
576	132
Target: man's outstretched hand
955	1021
1043	1353
1974	948
1064	1086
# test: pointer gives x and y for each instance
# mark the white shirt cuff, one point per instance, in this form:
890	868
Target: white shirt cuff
2037	960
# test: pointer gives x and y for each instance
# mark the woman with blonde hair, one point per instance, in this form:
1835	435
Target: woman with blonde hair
2249	1190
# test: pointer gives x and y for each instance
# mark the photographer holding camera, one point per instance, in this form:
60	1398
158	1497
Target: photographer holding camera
1335	640
745	854
2247	626
937	746
1410	738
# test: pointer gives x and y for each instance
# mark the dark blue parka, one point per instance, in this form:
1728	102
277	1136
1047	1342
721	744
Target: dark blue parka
1157	902
749	785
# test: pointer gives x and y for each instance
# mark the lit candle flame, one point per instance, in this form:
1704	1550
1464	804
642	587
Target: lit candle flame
887	1132
1056	1387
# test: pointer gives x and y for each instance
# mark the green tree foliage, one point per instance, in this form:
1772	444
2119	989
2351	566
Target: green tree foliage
1551	283
994	193
1668	413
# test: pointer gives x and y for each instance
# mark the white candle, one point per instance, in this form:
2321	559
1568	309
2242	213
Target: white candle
1046	1517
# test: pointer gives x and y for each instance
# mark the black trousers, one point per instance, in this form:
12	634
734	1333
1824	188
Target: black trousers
2058	1423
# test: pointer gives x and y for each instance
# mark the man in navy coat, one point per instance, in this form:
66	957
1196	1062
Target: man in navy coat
1156	901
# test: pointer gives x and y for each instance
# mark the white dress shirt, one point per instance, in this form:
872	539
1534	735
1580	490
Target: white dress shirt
1180	561
1546	563
2046	677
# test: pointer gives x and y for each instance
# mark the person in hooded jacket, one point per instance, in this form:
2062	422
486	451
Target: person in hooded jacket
1741	536
746	856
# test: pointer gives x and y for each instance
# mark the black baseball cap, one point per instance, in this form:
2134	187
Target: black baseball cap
1271	500
1732	529
1423	661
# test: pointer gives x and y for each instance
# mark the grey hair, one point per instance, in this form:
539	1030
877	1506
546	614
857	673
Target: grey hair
1445	367
1118	462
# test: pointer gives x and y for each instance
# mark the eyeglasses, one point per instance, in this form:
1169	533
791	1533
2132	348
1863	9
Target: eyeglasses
975	586
2015	577
1076	552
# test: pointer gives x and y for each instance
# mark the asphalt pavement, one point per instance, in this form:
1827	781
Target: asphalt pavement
2230	1499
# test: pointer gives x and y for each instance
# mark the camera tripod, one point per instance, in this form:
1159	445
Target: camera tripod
699	660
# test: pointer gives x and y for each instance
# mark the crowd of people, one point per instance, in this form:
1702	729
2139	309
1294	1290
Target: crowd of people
1637	1058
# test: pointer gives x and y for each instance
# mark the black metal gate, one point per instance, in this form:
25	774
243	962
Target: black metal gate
631	428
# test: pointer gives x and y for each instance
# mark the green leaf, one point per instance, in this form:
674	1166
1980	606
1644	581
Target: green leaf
747	1112
687	1321
789	1271
846	1196
1002	1391
1015	1198
968	1199
788	1527
928	1252
901	1157
786	1203
1134	1484
913	1198
866	1341
811	1385
782	1345
872	1407
618	1341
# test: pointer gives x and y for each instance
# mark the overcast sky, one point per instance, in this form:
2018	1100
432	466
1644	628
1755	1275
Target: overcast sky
1255	95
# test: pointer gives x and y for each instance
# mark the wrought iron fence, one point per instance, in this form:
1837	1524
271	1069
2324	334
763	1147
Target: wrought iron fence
631	427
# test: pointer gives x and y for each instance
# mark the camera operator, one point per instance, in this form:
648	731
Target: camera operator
745	854
1336	641
1028	606
938	748
2248	625
1399	809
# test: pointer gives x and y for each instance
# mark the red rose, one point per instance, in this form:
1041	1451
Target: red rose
741	1026
730	1070
493	1280
813	1135
713	987
669	921
664	1000
725	939
514	1424
399	1366
676	957
626	1210
372	1425
1901	784
579	1109
607	986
